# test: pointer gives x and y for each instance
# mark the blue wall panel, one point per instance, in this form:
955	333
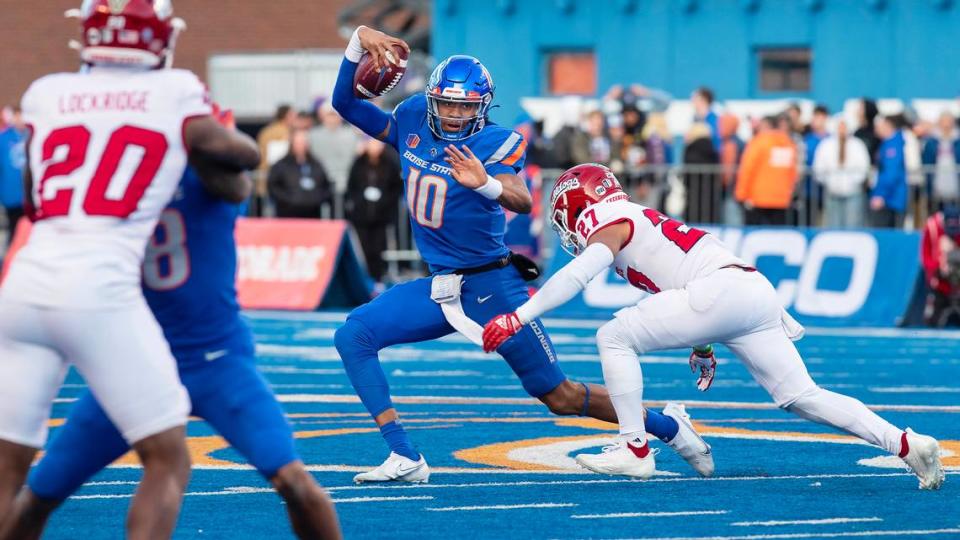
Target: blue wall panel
904	49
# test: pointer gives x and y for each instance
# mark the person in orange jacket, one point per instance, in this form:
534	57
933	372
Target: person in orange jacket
767	175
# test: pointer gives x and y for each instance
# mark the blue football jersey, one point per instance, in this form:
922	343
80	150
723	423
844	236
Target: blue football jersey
453	226
189	275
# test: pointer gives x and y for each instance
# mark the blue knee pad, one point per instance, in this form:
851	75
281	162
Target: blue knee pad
358	348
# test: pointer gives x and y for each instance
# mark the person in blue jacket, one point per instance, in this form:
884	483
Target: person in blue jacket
888	200
13	158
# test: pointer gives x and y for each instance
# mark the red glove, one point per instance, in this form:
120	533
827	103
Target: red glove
706	362
500	329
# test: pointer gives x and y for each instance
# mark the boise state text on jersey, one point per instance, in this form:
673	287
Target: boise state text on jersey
194	298
444	214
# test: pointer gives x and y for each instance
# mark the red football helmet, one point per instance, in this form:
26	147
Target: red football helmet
136	33
575	190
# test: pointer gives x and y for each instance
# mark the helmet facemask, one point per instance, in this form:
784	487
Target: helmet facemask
569	240
469	125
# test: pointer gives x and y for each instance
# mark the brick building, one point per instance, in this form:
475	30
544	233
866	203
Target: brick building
34	35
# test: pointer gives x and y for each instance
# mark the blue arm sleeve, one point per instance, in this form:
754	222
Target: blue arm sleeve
363	114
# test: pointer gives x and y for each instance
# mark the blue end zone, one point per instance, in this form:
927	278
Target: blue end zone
502	465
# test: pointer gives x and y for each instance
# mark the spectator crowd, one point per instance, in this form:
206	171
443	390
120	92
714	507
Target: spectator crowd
316	166
778	169
878	171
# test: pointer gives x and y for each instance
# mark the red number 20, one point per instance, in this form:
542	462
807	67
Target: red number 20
76	139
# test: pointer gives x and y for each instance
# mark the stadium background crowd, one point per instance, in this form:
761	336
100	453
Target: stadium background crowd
893	171
803	164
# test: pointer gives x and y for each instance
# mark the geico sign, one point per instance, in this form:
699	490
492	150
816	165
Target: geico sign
279	263
795	251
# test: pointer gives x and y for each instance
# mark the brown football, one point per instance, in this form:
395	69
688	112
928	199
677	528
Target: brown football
368	83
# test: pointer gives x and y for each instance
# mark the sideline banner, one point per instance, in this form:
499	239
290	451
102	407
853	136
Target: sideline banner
296	264
286	263
824	277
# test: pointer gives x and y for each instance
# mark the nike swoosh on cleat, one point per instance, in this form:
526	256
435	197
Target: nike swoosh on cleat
404	472
484	299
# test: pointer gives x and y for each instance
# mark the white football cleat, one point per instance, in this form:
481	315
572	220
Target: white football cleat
397	468
923	459
620	460
688	443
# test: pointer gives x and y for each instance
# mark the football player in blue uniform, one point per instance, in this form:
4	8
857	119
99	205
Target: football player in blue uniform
189	282
460	172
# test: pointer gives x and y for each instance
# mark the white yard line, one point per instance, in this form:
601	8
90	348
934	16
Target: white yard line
478	400
788	536
235	490
382	499
499	507
650	514
574	482
248	490
825	521
590	324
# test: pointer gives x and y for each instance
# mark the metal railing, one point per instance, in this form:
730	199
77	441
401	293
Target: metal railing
701	194
704	194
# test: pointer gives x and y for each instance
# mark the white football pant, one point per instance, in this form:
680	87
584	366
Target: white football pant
741	310
121	354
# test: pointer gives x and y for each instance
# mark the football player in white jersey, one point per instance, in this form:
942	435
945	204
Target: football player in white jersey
107	147
700	293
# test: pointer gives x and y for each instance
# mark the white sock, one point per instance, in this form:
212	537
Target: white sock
850	415
623	378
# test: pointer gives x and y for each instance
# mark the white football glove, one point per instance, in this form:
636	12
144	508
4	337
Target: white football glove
702	358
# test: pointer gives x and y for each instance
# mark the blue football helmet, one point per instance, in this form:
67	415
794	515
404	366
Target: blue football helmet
459	79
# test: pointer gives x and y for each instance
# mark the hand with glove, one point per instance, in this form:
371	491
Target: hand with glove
500	329
702	358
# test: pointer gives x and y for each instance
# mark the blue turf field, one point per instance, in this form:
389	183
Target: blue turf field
502	465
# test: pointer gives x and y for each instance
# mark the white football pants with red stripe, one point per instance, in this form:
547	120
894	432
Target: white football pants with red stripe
741	310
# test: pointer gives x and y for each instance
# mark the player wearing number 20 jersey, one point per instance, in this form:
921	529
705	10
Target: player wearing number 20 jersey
106	154
107	148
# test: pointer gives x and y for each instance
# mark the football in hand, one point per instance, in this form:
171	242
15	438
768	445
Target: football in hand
369	83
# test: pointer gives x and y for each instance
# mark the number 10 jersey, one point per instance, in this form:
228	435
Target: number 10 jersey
453	226
106	155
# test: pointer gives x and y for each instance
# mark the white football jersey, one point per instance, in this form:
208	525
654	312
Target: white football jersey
661	253
106	155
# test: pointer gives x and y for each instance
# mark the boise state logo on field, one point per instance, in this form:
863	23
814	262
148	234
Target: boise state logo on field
413	140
